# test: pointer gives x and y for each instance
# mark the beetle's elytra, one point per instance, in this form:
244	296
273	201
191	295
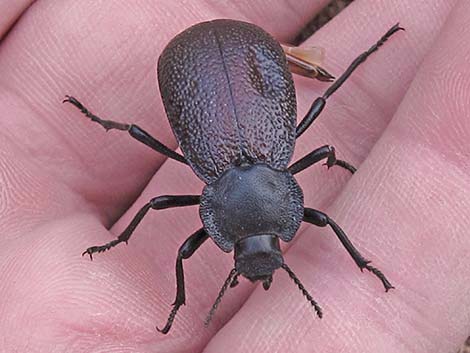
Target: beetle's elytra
230	100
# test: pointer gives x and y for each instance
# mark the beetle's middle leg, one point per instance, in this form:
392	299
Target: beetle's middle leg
319	103
322	220
185	251
157	203
317	155
135	131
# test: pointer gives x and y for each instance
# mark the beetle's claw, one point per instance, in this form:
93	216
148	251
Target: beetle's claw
68	99
94	249
88	251
163	330
387	285
76	103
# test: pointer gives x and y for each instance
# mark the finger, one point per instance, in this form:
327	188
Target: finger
110	65
356	115
410	203
283	19
11	11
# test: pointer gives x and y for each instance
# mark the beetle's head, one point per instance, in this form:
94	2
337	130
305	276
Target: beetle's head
257	257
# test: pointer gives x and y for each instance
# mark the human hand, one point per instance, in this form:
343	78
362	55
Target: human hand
401	118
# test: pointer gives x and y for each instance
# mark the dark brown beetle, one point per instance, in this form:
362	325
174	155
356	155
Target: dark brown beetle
230	100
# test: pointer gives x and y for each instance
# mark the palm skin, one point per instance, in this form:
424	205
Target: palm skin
402	118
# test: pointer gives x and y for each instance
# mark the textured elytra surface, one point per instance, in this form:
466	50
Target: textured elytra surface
251	200
229	97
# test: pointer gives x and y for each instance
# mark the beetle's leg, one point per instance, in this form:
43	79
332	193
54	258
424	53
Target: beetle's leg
185	251
133	130
157	203
319	103
317	155
322	220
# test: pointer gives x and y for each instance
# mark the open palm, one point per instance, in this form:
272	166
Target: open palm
402	118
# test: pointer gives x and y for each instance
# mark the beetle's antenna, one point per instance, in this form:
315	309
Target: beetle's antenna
304	291
231	277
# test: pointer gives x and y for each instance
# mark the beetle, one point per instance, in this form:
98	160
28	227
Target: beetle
230	100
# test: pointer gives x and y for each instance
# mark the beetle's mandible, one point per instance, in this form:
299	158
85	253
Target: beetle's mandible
230	99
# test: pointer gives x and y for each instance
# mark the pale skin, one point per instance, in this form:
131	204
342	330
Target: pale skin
65	185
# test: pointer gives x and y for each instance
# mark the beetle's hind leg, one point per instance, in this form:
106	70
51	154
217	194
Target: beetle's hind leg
322	220
325	152
135	131
320	102
185	251
157	203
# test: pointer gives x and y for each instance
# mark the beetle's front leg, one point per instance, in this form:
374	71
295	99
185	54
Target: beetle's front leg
325	152
157	203
185	251
322	220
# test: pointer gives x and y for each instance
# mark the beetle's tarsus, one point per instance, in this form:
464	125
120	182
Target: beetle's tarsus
346	165
170	320
98	249
341	164
381	276
317	155
106	124
365	265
